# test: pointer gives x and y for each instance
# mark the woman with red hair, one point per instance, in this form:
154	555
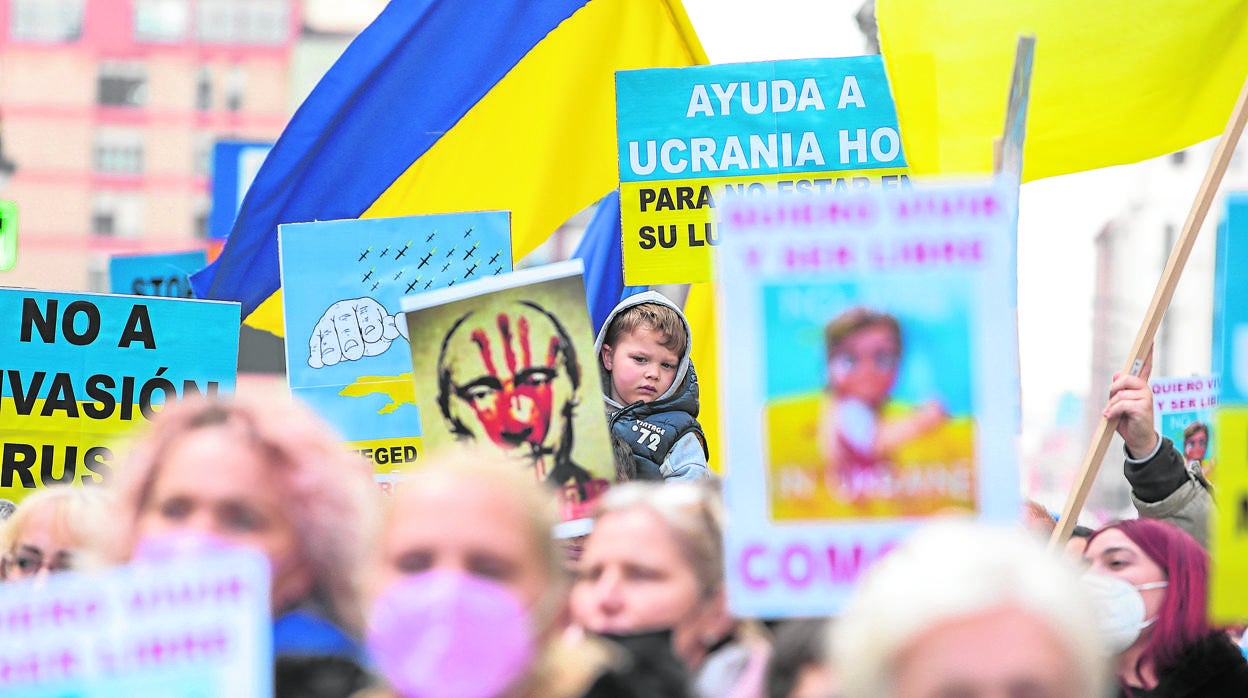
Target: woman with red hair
1150	579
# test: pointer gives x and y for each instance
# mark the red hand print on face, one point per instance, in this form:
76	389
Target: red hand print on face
512	402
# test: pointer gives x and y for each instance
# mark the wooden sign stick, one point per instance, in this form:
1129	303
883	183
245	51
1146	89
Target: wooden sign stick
1152	319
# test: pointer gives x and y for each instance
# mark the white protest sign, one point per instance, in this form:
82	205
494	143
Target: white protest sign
187	628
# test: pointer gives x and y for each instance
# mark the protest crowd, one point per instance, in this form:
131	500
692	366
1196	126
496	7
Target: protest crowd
478	479
457	583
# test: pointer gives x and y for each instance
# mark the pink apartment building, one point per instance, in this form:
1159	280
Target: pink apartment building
109	110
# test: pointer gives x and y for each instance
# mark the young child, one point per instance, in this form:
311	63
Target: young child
650	389
855	439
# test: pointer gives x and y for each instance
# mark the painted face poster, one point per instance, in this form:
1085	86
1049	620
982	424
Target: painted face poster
509	361
83	369
692	138
1228	541
870	337
346	352
155	274
1183	411
187	628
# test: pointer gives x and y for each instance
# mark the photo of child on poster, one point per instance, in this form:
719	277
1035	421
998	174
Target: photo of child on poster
883	426
1184	408
502	363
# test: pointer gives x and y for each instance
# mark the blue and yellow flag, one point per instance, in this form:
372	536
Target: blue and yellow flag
452	105
1113	82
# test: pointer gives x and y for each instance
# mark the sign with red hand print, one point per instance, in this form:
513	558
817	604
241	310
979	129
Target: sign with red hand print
508	361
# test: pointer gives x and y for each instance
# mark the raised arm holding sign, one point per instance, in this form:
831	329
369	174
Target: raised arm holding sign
1152	318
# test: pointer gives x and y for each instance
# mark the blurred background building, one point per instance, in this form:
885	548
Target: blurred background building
109	110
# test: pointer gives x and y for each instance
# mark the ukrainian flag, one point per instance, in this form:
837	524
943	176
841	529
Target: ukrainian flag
452	105
1114	81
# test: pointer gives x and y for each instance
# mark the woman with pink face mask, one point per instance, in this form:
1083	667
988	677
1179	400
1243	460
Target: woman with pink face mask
262	471
466	594
1148	579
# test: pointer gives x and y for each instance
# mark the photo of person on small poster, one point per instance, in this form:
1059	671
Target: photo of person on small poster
877	421
508	362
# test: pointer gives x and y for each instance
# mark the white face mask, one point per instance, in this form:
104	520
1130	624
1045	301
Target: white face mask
1119	609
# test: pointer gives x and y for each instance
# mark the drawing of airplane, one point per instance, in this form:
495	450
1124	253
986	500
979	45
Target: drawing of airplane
400	253
495	257
448	254
430	238
425	260
469	231
471	270
446	266
396	276
383	252
369	275
471	251
413	284
364	254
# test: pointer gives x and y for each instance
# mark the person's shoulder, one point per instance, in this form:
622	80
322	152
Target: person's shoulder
1213	666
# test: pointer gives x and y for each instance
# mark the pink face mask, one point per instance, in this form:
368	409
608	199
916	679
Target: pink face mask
177	544
444	633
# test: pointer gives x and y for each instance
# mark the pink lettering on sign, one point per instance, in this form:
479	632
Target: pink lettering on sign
925	253
818	257
796	213
921	206
798	566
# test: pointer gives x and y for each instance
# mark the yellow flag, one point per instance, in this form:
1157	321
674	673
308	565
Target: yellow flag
1114	81
700	312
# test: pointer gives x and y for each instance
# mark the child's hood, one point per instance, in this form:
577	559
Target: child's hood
637	299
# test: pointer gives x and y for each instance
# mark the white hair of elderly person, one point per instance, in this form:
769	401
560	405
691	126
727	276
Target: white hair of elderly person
966	609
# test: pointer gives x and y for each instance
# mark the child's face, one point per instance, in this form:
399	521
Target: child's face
865	365
1195	446
641	367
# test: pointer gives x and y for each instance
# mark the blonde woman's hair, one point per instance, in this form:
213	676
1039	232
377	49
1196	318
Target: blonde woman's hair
79	512
692	511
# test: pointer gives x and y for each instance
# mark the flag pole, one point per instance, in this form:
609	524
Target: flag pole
1152	318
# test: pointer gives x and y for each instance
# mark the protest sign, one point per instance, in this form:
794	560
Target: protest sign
1228	542
186	628
693	138
155	274
871	379
83	369
343	283
1183	411
509	360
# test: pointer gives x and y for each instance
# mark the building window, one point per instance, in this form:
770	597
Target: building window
254	22
199	223
161	21
47	20
203	88
235	87
202	157
122	84
117	214
118	151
